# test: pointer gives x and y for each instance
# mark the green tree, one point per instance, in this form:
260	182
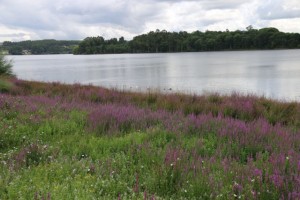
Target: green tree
40	46
163	41
5	67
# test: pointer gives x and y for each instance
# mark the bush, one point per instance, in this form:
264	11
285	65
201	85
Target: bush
5	67
5	86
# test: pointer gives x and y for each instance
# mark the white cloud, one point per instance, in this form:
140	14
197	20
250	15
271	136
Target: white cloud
8	34
77	19
278	9
287	25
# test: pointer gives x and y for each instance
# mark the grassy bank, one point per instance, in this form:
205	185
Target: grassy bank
83	142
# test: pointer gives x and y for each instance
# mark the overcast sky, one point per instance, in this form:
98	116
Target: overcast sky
77	19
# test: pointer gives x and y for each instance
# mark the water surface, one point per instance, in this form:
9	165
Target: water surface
275	74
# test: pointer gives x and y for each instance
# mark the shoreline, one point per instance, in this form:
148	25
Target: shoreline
214	51
170	90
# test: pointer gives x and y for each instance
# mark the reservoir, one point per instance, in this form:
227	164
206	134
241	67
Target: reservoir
274	74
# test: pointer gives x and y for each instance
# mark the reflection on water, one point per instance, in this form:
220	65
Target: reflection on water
271	73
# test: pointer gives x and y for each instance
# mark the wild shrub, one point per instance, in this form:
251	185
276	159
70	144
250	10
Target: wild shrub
5	67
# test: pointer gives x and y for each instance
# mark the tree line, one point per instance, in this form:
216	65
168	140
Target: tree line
161	42
40	47
164	41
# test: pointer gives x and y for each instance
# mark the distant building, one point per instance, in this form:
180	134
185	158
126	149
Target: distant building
26	52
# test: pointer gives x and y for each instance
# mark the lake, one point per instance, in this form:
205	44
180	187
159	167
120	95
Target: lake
275	74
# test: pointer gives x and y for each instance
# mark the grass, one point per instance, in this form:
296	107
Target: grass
83	142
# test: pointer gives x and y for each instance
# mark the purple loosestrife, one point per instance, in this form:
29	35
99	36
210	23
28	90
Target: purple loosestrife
27	156
234	145
277	180
124	118
237	189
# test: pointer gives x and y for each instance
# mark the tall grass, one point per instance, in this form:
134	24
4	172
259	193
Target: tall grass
71	141
246	108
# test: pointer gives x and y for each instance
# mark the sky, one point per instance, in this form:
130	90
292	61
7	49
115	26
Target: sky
77	19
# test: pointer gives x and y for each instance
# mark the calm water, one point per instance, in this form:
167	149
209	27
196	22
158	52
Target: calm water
274	74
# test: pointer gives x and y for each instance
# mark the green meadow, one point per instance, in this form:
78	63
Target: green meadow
62	141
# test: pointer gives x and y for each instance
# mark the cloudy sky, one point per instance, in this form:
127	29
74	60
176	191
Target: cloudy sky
77	19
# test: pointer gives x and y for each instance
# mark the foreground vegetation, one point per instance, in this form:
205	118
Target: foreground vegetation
83	142
5	67
163	41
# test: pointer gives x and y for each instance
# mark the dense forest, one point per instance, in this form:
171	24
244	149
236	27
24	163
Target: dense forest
39	47
163	41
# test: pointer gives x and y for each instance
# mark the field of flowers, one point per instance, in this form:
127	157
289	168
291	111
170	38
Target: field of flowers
62	141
